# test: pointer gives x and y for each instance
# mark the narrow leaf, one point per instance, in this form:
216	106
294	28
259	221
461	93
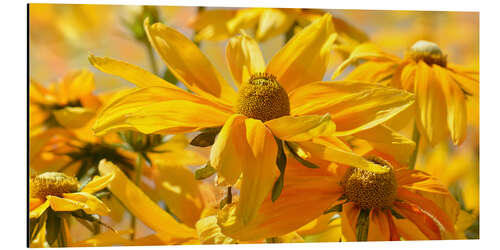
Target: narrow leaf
206	137
204	172
302	161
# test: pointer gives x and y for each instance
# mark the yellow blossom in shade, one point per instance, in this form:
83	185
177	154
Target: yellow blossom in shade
441	88
60	192
425	209
68	103
251	118
221	24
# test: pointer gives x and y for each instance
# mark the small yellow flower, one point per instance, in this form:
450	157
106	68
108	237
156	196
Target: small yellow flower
440	88
60	192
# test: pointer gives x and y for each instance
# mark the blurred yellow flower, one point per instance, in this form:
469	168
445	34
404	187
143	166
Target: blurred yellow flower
440	87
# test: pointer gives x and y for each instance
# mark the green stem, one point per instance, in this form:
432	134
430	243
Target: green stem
152	58
272	240
416	138
362	225
62	239
138	173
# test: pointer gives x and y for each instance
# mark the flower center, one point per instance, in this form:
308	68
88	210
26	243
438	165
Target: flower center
263	98
429	52
370	190
52	183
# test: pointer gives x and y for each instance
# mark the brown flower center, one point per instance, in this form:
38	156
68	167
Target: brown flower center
263	98
52	183
428	52
370	190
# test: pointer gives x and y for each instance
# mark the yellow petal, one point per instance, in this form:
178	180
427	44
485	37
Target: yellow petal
455	105
36	212
209	232
373	71
180	192
431	105
350	213
63	204
305	57
408	230
386	140
93	204
244	58
134	74
98	183
367	51
139	109
273	22
325	150
73	117
301	128
188	63
378	227
244	19
211	24
141	206
108	238
230	150
77	84
306	194
353	106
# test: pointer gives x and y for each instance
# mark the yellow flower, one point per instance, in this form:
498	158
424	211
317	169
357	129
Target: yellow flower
220	24
440	88
68	103
398	204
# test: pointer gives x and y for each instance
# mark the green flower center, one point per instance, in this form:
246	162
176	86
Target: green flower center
370	190
428	52
263	98
52	183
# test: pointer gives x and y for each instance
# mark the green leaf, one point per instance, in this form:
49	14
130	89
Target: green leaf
82	215
281	163
362	225
169	77
298	158
204	172
206	137
53	226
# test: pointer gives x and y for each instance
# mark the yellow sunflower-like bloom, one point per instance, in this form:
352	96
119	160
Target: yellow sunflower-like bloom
283	100
398	204
68	103
440	88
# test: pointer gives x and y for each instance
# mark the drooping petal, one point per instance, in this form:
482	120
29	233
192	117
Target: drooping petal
244	58
73	117
423	221
141	206
108	238
230	150
386	140
353	106
63	204
273	22
306	194
94	205
431	105
367	51
325	150
97	183
408	230
157	109
301	128
378	229
36	211
305	57
188	63
373	71
350	213
455	105
134	74
428	206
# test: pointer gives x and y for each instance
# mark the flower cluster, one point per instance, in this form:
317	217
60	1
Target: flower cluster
328	137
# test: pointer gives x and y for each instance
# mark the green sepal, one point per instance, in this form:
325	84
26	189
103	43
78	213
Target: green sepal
204	172
53	226
362	225
336	208
206	137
